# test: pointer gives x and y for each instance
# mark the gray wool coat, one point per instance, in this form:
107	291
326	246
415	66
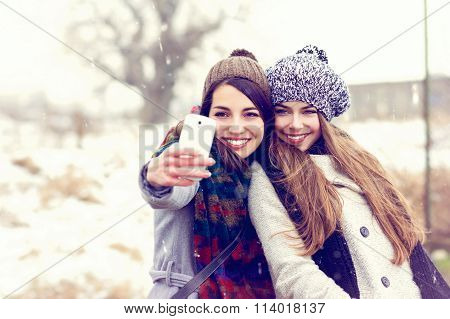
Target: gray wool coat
173	261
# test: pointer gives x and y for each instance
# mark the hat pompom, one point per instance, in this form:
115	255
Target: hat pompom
244	53
318	53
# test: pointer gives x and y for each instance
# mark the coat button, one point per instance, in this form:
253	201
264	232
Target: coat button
385	281
364	231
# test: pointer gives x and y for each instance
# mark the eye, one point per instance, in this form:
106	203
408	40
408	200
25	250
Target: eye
251	114
310	111
281	111
221	114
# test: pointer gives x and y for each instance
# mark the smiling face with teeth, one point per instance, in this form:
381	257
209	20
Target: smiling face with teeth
297	123
239	122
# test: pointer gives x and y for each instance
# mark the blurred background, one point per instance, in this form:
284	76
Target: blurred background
80	78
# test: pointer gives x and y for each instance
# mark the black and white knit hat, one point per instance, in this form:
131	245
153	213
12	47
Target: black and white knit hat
307	77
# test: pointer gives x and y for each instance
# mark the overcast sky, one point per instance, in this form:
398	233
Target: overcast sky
348	30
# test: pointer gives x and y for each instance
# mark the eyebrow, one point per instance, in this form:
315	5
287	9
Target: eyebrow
287	107
227	109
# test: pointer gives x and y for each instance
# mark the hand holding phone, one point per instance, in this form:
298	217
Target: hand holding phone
197	135
185	162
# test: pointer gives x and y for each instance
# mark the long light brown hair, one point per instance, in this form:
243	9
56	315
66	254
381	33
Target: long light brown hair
319	201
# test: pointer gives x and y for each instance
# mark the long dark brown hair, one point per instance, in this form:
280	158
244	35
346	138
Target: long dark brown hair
254	93
319	201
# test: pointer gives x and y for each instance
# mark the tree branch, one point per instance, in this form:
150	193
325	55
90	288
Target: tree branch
137	36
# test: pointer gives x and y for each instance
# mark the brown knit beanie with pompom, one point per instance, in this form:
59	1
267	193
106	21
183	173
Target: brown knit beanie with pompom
240	64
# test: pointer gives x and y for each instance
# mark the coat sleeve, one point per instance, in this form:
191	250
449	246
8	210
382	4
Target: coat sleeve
293	275
172	198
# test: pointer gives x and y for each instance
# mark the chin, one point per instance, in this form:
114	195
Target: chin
243	154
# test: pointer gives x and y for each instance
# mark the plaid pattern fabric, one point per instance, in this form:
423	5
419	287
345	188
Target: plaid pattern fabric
220	213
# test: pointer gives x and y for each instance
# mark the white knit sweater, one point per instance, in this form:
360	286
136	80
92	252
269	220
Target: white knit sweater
296	276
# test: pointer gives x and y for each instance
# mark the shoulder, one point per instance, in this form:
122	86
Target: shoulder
328	167
256	167
258	174
261	187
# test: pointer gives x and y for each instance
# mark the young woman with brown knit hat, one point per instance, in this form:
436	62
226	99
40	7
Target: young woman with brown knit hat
196	221
331	222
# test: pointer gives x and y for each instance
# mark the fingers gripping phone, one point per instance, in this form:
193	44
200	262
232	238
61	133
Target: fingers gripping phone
197	134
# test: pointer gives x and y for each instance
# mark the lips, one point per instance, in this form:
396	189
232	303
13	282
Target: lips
236	143
296	138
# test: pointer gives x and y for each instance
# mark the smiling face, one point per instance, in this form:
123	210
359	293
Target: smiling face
297	123
239	123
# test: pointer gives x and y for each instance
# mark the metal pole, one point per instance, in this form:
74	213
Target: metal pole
426	118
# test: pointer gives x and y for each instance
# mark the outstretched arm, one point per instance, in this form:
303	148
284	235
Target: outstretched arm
166	181
166	197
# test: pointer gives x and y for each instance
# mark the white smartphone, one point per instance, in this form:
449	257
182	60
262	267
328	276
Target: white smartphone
198	134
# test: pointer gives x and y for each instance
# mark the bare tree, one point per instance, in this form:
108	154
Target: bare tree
168	52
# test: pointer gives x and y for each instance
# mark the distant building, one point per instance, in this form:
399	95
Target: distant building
398	100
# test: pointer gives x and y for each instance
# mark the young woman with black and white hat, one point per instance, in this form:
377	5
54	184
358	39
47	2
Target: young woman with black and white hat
331	222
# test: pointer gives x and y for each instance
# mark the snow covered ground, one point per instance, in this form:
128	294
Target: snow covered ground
58	199
399	145
55	200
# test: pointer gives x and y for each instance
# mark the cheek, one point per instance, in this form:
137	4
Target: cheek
312	122
257	128
281	122
315	125
220	128
279	125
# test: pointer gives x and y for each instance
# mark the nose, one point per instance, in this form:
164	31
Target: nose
236	126
296	123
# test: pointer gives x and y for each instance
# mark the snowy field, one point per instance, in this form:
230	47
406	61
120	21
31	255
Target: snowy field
53	200
399	145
